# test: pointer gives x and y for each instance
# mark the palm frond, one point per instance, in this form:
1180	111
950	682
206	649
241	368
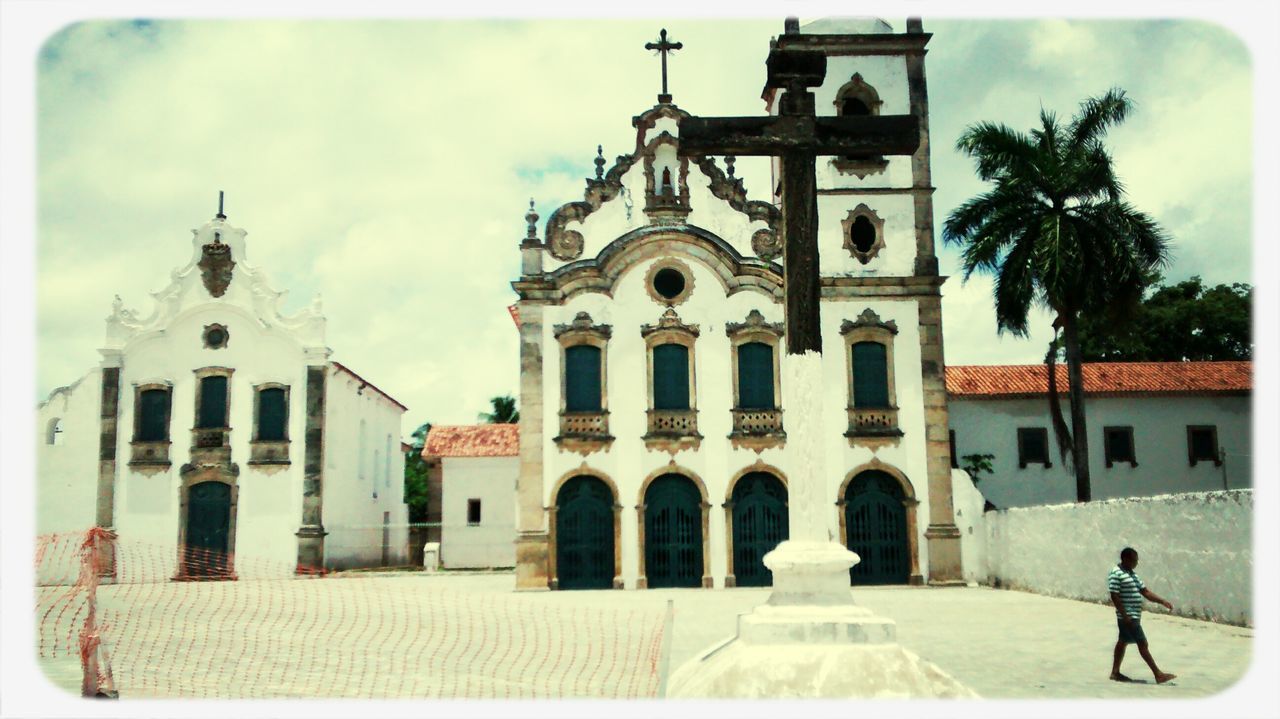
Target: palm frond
996	149
1099	113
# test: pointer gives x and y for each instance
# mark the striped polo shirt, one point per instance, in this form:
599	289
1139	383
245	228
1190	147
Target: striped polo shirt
1129	587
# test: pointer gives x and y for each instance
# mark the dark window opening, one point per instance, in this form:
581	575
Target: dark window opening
854	106
473	511
1118	443
1033	446
862	233
582	379
213	403
668	282
671	377
273	412
153	415
870	375
951	438
1202	445
755	376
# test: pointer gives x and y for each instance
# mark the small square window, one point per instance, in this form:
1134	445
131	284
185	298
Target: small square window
1033	446
1118	445
1202	444
473	511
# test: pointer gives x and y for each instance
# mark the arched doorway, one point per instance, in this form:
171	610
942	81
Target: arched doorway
759	524
584	534
208	535
673	532
876	528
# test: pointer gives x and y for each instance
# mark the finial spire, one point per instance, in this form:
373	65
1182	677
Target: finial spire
663	46
220	214
599	162
728	163
531	217
791	26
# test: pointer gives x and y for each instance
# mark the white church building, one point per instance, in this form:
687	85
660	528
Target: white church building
218	434
653	438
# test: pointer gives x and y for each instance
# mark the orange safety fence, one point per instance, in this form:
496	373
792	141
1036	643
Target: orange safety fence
147	620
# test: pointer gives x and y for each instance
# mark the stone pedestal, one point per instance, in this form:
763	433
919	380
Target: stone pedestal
811	641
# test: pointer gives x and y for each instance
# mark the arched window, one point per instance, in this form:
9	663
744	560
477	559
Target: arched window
870	375
153	416
858	99
755	376
53	432
273	414
671	376
582	379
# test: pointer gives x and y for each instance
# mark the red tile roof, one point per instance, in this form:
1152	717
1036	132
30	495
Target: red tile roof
1102	378
473	440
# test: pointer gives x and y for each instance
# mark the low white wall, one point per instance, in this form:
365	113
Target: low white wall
491	543
968	504
1194	550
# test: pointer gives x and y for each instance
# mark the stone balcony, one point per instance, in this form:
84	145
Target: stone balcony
584	432
269	452
149	457
672	429
757	428
873	426
211	445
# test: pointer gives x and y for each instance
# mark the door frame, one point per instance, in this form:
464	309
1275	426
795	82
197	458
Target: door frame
191	478
553	573
704	506
909	503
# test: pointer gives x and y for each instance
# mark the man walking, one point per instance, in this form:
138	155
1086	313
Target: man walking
1127	592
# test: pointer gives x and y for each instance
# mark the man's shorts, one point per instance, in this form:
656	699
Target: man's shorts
1131	633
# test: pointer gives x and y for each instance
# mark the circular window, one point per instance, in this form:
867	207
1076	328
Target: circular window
863	234
215	336
668	282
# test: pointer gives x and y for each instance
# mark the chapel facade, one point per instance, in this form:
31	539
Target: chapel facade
218	436
653	438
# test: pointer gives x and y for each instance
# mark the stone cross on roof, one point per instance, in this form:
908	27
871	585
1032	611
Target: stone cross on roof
663	46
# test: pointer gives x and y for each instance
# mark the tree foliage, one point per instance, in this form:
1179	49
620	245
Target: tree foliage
504	411
415	475
1055	231
1175	323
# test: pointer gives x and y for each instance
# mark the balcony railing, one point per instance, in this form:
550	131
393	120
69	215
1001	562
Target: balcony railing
211	445
269	451
673	422
757	421
873	422
584	424
149	453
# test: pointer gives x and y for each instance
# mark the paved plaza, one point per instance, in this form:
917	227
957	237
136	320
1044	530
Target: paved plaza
1002	644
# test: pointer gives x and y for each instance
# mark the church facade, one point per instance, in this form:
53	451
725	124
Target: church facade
218	435
653	437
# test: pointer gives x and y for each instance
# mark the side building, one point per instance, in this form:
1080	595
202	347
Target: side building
217	434
1153	427
653	443
478	466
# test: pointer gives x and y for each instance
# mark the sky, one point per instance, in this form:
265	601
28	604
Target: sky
388	165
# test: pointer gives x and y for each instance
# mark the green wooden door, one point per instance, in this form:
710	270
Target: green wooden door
208	529
584	534
876	527
673	532
759	524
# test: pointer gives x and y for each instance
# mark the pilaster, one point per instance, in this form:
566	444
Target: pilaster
532	541
311	534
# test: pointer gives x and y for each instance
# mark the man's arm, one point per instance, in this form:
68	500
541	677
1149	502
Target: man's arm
1124	615
1151	597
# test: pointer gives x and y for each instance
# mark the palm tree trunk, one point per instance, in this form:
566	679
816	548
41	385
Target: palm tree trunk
1075	379
1061	435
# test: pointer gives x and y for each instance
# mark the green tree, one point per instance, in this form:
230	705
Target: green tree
415	475
1055	231
504	411
1180	322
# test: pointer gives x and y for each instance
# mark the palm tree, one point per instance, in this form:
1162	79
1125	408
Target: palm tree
1055	231
504	411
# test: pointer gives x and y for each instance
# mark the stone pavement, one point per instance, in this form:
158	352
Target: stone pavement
1000	643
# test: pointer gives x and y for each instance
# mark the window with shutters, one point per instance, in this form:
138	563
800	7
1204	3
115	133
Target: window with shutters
757	399
873	406
1202	445
1118	445
584	401
212	413
152	408
1033	447
211	435
270	443
673	411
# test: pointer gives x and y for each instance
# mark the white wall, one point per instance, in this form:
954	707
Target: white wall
1159	439
356	501
970	520
67	472
1194	550
492	480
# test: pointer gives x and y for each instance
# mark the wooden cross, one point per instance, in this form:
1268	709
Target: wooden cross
664	47
799	137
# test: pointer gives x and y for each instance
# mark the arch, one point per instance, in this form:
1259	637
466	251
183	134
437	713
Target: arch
759	466
642	581
586	512
757	522
909	505
198	565
876	528
674	535
53	432
552	516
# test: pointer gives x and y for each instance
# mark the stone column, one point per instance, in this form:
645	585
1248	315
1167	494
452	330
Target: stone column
532	566
108	444
942	534
311	534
